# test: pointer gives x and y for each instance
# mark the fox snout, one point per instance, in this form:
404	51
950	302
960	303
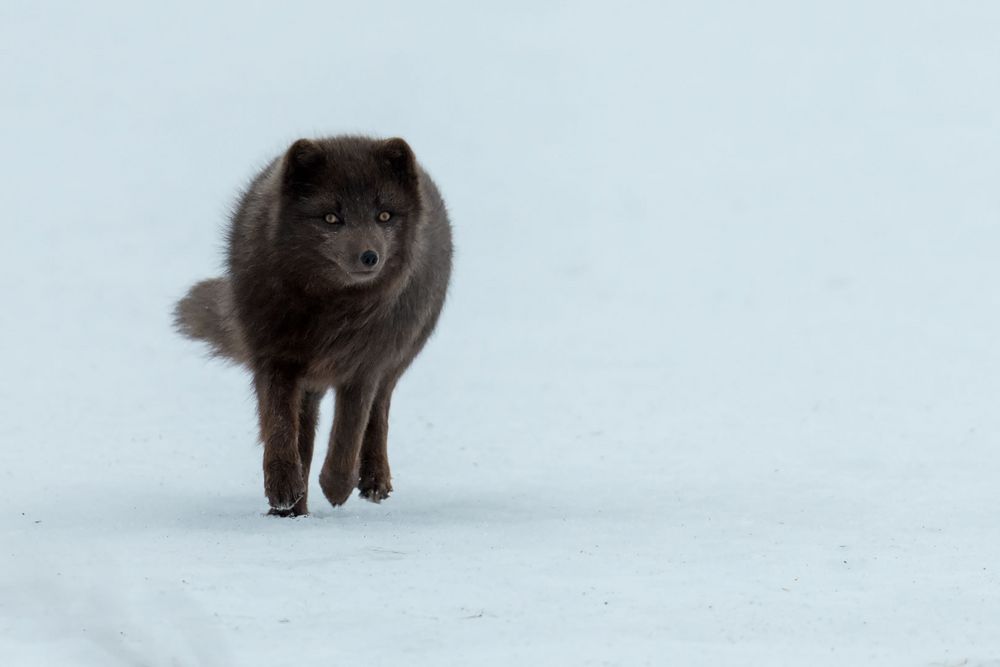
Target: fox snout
360	261
363	264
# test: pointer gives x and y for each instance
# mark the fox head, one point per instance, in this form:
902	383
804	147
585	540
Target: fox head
348	209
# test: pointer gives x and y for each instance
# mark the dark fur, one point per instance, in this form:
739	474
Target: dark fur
303	314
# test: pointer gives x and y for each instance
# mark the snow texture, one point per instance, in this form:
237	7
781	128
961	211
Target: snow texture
717	382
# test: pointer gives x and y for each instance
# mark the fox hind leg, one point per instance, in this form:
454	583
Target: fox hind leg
375	481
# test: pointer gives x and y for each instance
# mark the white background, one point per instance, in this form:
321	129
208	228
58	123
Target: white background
717	382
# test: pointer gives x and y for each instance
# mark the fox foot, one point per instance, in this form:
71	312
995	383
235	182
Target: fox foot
337	486
300	509
375	485
283	485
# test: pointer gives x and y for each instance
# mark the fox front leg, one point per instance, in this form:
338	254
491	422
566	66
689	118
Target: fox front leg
278	403
339	476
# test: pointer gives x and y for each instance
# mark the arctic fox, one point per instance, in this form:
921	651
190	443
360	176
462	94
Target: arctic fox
339	260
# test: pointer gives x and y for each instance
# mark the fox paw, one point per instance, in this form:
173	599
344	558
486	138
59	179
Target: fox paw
375	487
337	487
299	510
283	485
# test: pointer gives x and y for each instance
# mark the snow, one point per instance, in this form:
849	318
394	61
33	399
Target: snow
716	383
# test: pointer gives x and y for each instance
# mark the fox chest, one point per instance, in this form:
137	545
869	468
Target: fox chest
345	352
333	343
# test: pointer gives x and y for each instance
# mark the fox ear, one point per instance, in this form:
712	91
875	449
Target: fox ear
398	158
301	161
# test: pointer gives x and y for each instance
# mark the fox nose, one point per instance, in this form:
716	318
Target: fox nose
369	258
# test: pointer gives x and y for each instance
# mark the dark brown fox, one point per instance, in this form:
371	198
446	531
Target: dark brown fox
339	261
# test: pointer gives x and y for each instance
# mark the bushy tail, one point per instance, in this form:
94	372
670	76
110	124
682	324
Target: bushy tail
208	313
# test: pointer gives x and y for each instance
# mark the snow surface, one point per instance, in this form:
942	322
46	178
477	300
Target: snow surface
717	382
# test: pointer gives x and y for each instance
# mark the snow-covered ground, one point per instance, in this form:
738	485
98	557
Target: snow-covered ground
718	381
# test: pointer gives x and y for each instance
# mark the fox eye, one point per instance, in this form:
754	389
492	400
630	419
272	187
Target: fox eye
331	218
384	216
